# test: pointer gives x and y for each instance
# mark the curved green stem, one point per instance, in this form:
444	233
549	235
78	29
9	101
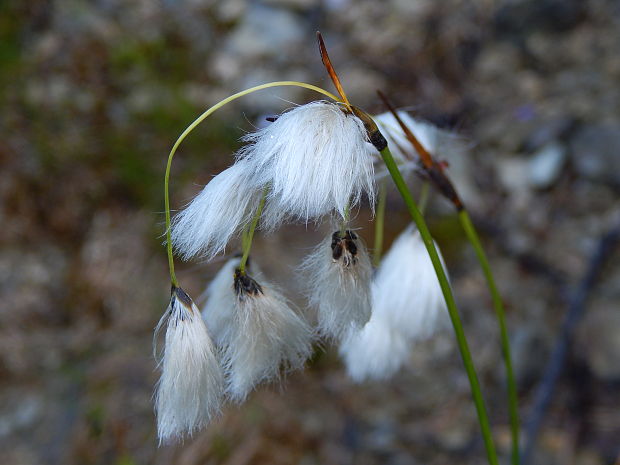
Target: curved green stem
249	235
498	305
450	303
379	224
192	126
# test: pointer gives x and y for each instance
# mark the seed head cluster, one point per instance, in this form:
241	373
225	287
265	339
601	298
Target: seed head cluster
313	162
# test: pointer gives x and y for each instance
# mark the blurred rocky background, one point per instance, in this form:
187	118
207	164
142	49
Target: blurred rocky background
93	94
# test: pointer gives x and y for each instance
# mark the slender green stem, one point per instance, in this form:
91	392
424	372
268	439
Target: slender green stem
498	305
173	276
244	239
450	303
379	224
249	235
424	197
193	125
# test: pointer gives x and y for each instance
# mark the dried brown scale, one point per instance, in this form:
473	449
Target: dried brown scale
181	295
244	285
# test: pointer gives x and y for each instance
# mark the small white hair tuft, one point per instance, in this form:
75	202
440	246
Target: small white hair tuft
407	294
339	274
266	337
217	213
189	391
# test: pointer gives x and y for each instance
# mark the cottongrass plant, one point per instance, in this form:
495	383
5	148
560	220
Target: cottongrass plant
313	161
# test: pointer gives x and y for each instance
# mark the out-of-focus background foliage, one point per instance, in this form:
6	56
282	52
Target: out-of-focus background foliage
93	94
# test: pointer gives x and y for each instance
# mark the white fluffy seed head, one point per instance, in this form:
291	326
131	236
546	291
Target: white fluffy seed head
339	275
315	159
217	213
189	391
374	352
266	337
406	293
407	306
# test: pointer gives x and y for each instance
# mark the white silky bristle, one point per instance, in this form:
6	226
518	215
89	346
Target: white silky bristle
406	292
216	214
189	391
315	159
374	352
266	336
339	288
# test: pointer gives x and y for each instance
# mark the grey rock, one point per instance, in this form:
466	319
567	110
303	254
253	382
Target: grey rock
595	152
265	32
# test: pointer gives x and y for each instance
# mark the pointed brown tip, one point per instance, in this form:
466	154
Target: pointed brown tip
330	68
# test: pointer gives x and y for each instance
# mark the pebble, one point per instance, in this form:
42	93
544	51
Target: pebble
545	166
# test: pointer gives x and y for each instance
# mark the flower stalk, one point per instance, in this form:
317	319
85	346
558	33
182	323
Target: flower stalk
452	309
249	236
379	224
472	236
434	172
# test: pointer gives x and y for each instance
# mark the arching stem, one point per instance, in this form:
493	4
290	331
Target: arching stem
191	127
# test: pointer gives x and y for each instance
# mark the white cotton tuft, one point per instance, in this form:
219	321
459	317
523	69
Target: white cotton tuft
189	391
406	291
314	159
266	336
220	306
407	306
374	352
217	213
339	274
